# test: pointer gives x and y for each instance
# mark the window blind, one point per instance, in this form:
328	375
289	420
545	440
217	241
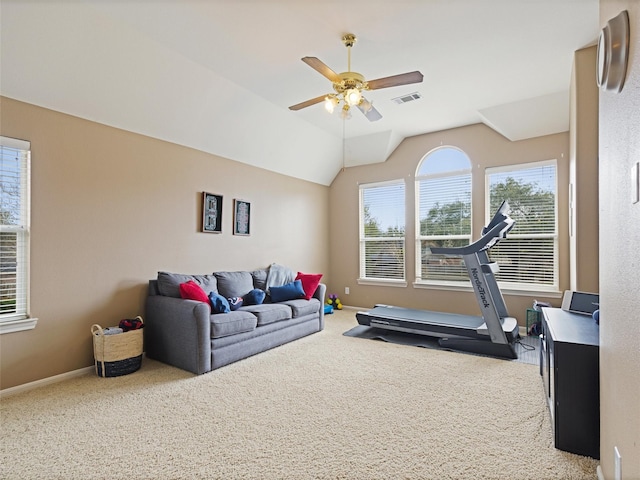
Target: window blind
528	257
14	228
445	205
443	191
382	231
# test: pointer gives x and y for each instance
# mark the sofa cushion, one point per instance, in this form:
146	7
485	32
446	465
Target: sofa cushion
310	282
287	292
169	283
268	312
234	284
301	307
254	297
219	304
192	291
225	324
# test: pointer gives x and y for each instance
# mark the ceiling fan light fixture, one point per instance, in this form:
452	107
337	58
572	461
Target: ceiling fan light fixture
353	96
330	103
365	105
345	113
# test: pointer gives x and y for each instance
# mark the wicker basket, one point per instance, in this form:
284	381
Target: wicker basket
118	354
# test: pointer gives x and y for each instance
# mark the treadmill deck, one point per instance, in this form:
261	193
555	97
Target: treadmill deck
426	322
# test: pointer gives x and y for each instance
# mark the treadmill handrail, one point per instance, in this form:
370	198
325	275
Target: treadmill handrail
485	242
501	214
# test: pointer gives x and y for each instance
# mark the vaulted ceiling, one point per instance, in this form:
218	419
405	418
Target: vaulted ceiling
219	76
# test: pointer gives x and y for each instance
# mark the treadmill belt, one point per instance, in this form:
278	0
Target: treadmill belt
426	317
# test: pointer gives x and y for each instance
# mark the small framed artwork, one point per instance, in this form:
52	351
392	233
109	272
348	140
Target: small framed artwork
211	213
241	217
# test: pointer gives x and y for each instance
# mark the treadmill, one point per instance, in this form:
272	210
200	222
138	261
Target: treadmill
493	333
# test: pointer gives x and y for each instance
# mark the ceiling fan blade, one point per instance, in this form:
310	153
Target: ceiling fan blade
395	80
372	114
308	103
319	66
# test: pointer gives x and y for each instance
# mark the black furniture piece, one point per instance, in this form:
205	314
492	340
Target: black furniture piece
569	366
492	333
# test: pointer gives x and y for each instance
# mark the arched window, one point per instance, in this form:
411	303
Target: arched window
443	207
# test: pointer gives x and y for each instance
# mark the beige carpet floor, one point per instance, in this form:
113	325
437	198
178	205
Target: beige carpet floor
323	407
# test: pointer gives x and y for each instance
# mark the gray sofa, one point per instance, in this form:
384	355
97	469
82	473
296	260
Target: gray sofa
188	335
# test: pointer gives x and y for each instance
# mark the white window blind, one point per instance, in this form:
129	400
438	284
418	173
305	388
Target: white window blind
382	231
14	228
528	257
443	199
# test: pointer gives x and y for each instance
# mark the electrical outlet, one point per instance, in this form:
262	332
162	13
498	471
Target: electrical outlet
617	464
346	290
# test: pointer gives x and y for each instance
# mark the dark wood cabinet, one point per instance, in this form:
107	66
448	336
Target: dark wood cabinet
569	366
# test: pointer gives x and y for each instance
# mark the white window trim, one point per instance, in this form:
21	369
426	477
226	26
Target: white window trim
552	291
438	284
517	166
362	279
505	289
19	322
17	325
382	282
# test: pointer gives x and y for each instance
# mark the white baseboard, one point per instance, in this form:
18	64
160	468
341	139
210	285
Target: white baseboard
359	309
600	474
45	381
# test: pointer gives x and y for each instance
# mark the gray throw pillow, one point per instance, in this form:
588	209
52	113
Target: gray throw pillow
169	283
234	284
260	279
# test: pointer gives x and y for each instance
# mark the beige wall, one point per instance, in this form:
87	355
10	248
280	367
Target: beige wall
583	176
620	261
485	148
110	208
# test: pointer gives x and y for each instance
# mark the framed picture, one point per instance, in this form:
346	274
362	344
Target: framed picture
211	213
241	217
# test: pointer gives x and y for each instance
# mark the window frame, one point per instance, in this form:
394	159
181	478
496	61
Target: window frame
522	287
420	282
362	240
20	319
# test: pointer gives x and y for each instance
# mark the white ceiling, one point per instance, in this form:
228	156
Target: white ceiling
219	76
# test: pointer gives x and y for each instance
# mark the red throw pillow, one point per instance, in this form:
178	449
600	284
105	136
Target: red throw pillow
192	291
310	282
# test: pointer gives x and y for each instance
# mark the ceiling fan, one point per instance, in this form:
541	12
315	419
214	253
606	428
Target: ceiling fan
348	86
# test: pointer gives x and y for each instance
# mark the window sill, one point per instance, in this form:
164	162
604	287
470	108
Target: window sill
466	287
455	287
382	283
12	326
531	292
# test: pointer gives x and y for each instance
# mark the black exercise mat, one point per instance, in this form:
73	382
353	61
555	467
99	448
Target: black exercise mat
527	347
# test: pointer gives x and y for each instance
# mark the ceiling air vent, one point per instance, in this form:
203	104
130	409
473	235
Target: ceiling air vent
407	98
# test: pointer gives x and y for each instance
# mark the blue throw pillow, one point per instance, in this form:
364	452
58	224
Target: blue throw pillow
286	292
219	304
254	297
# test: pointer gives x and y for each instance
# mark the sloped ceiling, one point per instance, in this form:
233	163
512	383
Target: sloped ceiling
219	76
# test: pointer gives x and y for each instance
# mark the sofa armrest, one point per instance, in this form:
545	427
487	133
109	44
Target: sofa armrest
320	294
178	332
